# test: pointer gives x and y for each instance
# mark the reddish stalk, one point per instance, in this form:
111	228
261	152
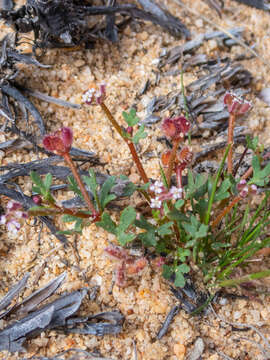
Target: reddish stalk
247	174
130	144
179	176
58	211
171	161
78	179
225	211
230	142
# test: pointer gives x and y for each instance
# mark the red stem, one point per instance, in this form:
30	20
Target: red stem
171	161
230	142
225	211
130	144
78	179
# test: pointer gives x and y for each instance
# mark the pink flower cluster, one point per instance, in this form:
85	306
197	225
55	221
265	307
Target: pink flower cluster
59	142
244	189
175	128
13	217
163	194
235	104
126	264
95	95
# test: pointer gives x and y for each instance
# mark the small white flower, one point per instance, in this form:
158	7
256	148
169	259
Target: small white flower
3	219
157	187
88	95
176	192
155	203
13	226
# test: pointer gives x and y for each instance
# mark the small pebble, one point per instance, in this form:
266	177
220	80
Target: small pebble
212	44
199	23
179	350
79	63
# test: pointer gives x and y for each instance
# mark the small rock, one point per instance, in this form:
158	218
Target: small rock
199	23
212	44
197	350
237	315
79	63
179	350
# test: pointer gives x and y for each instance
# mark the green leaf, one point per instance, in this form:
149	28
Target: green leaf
179	279
38	181
182	254
105	197
167	271
125	238
260	177
127	218
107	223
179	203
73	186
48	182
69	218
91	182
130	118
130	188
78	225
252	143
142	223
165	229
222	192
140	134
148	238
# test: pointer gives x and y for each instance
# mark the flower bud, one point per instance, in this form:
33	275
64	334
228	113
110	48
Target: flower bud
37	199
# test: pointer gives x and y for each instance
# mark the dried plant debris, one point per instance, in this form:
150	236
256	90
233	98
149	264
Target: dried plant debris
80	355
259	4
27	203
67	23
8	72
177	52
58	314
204	97
191	300
169	318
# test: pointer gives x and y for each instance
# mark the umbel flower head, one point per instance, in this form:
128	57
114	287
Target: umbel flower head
95	94
235	104
59	142
14	217
175	128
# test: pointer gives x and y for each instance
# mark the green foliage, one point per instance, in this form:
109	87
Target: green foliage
42	187
127	219
186	226
131	119
260	176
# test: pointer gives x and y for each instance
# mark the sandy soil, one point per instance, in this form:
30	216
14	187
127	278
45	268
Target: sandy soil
125	67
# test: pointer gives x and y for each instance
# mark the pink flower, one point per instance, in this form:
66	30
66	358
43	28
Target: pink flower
175	128
236	105
59	142
14	217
